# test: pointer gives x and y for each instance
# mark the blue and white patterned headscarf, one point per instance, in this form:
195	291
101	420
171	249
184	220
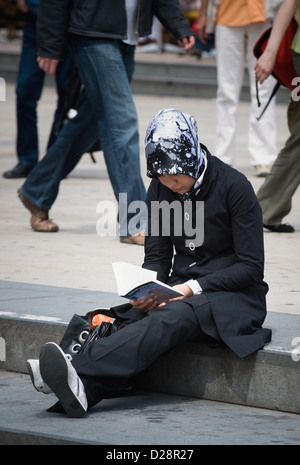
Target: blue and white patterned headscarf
172	145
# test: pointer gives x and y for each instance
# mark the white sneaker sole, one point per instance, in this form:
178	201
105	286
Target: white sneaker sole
54	371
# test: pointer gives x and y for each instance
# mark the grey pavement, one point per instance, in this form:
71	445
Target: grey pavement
47	276
145	418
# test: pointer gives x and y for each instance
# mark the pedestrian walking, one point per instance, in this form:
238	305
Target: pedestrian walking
102	36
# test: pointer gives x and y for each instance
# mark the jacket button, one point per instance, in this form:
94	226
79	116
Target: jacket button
192	246
187	216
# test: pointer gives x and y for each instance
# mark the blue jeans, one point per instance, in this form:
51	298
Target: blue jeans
106	111
29	89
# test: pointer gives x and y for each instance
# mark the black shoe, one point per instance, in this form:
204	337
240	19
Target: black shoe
21	170
280	228
56	408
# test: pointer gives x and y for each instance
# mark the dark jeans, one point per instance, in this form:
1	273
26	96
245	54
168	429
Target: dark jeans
29	89
75	138
106	111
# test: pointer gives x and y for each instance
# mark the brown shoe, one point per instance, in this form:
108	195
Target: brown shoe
43	225
137	239
39	218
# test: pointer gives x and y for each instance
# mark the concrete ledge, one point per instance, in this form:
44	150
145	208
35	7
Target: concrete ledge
19	437
269	379
24	338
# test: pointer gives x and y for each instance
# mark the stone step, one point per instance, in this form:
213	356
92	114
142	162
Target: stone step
269	379
169	74
148	423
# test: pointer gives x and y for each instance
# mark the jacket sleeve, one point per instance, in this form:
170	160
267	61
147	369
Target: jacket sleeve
52	25
247	235
170	15
158	248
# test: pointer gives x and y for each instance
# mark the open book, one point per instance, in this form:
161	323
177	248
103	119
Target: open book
136	283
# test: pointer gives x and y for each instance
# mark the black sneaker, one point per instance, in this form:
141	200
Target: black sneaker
280	228
21	170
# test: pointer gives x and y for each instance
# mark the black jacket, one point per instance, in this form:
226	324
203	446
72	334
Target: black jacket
229	265
102	19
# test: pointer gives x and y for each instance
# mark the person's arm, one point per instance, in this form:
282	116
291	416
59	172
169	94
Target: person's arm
158	250
202	22
266	61
158	246
22	6
53	19
247	237
170	15
29	5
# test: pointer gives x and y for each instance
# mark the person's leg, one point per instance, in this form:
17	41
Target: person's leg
109	363
105	67
76	137
230	72
275	194
29	87
261	134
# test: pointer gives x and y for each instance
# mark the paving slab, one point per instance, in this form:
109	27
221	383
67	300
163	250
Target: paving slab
144	418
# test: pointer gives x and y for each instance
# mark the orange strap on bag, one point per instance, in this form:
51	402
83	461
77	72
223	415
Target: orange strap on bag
97	318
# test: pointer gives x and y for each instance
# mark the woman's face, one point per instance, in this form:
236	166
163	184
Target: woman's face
180	183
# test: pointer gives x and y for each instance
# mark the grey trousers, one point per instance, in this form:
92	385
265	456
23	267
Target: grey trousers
275	194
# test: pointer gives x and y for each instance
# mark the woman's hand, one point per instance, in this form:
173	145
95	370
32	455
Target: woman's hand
144	306
201	29
264	66
266	62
